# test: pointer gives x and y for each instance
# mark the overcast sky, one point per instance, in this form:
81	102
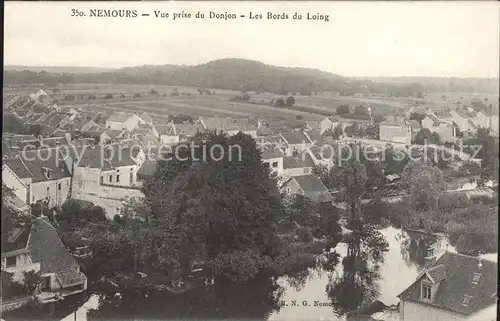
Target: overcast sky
451	39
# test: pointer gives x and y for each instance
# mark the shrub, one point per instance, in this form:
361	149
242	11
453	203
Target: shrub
305	234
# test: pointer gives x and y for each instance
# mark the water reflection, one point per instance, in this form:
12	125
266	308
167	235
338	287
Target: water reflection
358	284
372	273
252	300
418	247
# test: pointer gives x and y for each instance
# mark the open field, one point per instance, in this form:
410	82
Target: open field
190	102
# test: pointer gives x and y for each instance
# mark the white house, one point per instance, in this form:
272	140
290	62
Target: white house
175	133
396	130
123	121
294	142
39	248
297	165
39	95
43	175
328	123
445	129
464	120
228	125
454	287
112	165
273	159
309	186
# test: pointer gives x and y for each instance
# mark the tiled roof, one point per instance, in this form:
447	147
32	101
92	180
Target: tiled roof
97	157
40	165
457	281
313	135
437	273
18	240
313	188
120	117
310	183
53	142
227	124
22	112
271	151
46	247
295	138
297	162
113	133
18	167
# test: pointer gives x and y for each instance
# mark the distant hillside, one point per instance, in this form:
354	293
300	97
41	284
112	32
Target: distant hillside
444	84
59	70
232	74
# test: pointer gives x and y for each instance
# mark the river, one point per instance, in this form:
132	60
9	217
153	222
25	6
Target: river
377	274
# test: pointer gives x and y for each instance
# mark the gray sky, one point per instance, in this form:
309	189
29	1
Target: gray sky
451	39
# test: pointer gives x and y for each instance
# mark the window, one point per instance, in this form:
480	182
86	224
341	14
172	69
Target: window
48	189
45	284
117	170
476	277
11	261
117	178
110	178
466	300
59	186
102	179
426	292
275	164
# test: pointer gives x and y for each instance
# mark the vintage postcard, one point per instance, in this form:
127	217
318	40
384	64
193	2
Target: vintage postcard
256	160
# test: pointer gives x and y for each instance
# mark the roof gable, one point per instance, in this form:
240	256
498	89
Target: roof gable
46	247
456	274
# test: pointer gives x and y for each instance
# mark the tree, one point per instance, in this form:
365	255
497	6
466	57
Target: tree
395	160
69	98
420	95
425	136
489	153
424	182
280	102
137	95
31	281
417	116
343	109
153	92
76	214
337	131
373	131
361	110
220	211
290	101
108	96
353	177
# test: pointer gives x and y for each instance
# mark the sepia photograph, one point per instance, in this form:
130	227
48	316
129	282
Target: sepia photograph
250	160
